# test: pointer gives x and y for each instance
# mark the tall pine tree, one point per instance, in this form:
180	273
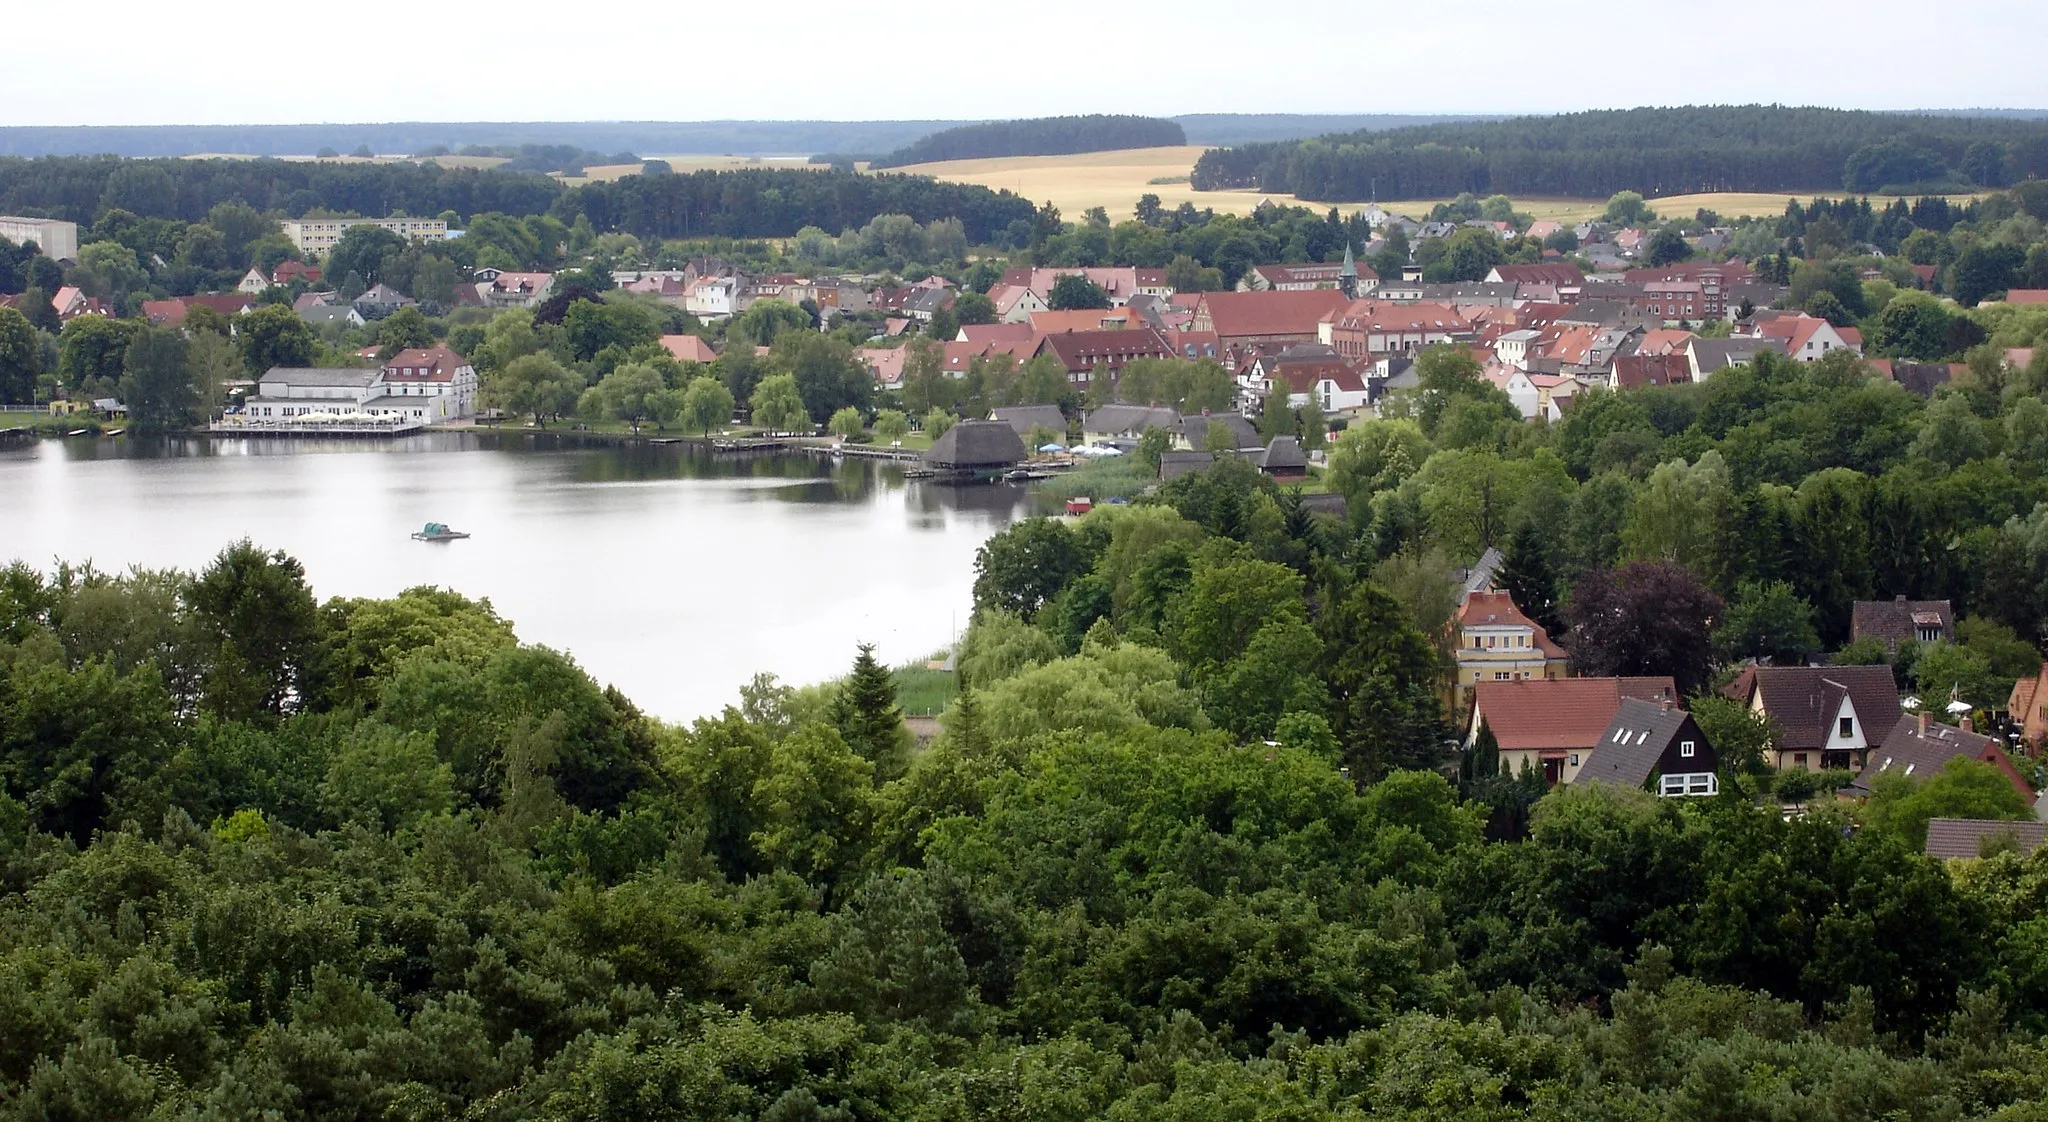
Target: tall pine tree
867	717
1527	577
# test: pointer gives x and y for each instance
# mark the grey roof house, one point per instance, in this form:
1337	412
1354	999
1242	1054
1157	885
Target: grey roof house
1896	620
1026	419
1952	839
1128	421
1194	430
1653	740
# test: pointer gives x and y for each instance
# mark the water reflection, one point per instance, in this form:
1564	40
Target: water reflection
670	570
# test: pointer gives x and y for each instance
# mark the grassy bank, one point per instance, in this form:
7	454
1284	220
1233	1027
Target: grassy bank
1113	477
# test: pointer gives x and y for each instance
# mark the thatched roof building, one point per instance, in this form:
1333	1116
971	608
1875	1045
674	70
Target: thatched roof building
976	446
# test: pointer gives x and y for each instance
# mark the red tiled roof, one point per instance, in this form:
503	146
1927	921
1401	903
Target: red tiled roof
1559	713
1243	315
1559	274
1085	319
423	364
1497	609
2027	296
1082	350
1302	376
688	348
1652	370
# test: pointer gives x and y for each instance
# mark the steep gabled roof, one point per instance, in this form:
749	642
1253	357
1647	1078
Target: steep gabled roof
1026	418
1805	700
1631	745
1283	454
1559	713
689	348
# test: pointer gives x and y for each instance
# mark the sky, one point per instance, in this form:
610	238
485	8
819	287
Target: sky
645	60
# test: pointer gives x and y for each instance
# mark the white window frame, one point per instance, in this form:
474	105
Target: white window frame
1685	748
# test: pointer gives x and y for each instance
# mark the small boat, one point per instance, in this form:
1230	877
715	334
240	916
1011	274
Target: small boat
76	432
436	532
113	432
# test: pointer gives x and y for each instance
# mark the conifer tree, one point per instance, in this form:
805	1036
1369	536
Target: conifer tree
866	715
1526	576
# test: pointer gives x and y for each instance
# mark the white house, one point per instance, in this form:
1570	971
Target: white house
426	384
712	297
253	282
1513	348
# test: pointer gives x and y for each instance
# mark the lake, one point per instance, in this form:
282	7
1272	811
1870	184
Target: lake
670	572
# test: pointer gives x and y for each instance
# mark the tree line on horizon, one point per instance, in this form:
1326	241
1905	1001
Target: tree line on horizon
1689	150
1042	136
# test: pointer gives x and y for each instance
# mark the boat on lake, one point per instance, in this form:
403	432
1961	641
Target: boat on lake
437	532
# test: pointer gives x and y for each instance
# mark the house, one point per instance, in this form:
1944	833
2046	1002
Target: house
1027	419
1113	423
1285	317
1952	839
57	238
1706	357
289	271
172	312
1173	465
688	348
976	446
1284	460
431	384
70	302
1016	303
1302	278
1087	319
1565	278
382	300
1653	745
2028	707
1922	378
1552	724
1640	369
295	391
924	303
320	313
515	290
1896	620
885	364
1371	328
1808	338
253	282
2026	296
1919	747
1193	433
1080	352
712	297
1334	385
1497	643
1018	340
1827	716
1120	283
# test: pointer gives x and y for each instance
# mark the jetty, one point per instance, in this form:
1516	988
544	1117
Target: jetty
361	425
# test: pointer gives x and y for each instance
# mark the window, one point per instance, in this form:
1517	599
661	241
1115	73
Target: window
1575	759
1848	727
1502	676
1696	783
1685	748
1930	634
1799	759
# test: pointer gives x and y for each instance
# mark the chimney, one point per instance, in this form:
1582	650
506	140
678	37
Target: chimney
1966	726
1900	598
1923	724
1664	704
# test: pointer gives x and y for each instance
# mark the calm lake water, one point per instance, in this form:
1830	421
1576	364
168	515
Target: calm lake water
668	572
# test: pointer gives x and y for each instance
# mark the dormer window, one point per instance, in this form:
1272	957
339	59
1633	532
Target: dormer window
1930	634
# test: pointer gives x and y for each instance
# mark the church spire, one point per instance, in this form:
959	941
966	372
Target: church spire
1347	277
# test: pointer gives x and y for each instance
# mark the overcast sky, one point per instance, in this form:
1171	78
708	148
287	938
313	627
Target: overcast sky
516	60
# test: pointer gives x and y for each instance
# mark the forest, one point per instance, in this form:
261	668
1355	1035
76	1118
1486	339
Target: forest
1652	151
1181	849
1041	136
752	202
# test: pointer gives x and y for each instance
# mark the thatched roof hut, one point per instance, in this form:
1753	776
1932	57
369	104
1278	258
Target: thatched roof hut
1284	459
976	446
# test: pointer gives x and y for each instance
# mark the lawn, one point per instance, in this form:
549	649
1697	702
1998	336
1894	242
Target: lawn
923	692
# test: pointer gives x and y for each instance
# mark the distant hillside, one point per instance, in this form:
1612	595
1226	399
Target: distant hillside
1654	151
1212	129
738	138
1042	136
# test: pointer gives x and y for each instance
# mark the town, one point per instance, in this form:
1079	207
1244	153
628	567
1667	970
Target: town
1447	653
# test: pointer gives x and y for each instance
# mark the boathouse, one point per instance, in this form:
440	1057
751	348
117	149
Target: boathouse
976	446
